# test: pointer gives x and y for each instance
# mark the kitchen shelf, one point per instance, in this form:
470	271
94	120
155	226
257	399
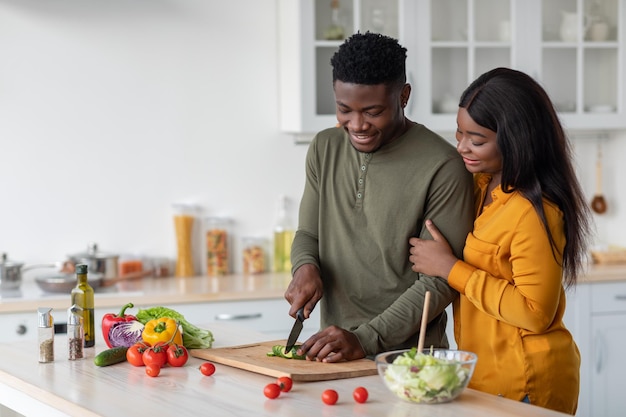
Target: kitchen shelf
307	103
450	43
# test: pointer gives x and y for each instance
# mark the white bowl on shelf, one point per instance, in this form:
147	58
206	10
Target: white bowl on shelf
601	108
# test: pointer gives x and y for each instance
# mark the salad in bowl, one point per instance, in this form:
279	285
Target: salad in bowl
430	377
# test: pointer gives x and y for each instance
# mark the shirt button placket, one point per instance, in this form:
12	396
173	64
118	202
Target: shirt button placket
359	194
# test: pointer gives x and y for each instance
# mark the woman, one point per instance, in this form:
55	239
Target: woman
527	245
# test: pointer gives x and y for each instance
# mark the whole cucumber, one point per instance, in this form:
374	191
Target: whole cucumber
111	356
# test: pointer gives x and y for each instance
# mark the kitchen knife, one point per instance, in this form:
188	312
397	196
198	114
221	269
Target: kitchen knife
295	330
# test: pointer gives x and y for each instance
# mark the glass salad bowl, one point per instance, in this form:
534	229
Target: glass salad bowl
430	377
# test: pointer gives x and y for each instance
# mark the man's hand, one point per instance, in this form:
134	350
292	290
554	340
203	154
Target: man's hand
304	290
333	344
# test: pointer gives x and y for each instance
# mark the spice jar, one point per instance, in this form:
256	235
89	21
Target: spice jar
162	267
130	265
254	255
75	332
45	333
217	235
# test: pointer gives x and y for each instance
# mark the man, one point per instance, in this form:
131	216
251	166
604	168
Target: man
371	183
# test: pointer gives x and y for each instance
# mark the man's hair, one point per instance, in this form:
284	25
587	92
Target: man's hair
370	59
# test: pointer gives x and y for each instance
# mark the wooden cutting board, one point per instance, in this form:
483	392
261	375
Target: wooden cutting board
253	357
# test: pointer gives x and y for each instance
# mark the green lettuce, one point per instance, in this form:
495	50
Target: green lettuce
421	378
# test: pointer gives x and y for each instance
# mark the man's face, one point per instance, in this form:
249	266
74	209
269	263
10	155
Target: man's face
371	114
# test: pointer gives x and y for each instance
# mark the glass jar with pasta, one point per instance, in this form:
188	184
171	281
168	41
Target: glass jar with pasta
184	219
254	255
217	238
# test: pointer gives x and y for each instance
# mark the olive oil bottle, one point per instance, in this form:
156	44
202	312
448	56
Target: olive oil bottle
82	297
283	237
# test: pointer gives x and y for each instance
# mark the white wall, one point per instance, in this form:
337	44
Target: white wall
611	226
110	111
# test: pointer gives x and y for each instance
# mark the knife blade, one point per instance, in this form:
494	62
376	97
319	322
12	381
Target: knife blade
295	330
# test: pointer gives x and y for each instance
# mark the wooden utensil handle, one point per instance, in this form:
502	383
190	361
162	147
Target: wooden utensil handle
599	177
424	324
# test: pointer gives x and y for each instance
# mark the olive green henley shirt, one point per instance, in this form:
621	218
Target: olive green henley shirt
357	214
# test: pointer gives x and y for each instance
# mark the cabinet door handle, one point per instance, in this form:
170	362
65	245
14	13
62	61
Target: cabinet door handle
620	297
228	316
599	348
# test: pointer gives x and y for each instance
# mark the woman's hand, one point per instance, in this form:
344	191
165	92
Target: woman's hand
432	257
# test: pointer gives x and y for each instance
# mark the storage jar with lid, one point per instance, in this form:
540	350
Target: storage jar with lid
254	255
184	222
217	231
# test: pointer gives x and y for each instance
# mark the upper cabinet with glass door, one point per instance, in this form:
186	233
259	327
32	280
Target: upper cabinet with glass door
582	61
310	33
574	48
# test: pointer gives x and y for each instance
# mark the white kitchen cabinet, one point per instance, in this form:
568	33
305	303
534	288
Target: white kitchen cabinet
307	102
451	42
596	316
607	362
18	326
23	326
574	48
267	316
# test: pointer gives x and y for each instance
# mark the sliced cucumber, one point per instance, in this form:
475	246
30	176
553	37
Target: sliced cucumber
279	351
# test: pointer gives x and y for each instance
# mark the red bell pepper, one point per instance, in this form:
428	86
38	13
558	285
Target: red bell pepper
109	321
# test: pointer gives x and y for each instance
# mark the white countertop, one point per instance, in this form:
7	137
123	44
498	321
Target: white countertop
81	389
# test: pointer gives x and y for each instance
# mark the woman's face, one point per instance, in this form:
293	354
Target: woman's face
477	145
372	115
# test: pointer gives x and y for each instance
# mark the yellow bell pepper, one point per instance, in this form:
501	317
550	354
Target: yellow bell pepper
163	329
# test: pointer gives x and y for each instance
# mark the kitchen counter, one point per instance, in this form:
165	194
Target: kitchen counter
156	291
79	388
604	273
175	290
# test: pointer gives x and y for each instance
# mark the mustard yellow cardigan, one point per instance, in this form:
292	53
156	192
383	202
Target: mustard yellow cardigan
510	312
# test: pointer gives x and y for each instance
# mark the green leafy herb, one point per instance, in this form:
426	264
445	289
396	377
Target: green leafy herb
193	336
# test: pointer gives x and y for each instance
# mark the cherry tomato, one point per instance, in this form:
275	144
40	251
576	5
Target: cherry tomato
360	394
163	345
134	354
330	396
155	355
177	355
207	368
153	370
271	391
285	383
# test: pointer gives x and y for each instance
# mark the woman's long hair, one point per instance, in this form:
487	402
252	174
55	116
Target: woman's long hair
536	154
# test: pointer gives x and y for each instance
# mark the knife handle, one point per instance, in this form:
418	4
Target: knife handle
300	314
